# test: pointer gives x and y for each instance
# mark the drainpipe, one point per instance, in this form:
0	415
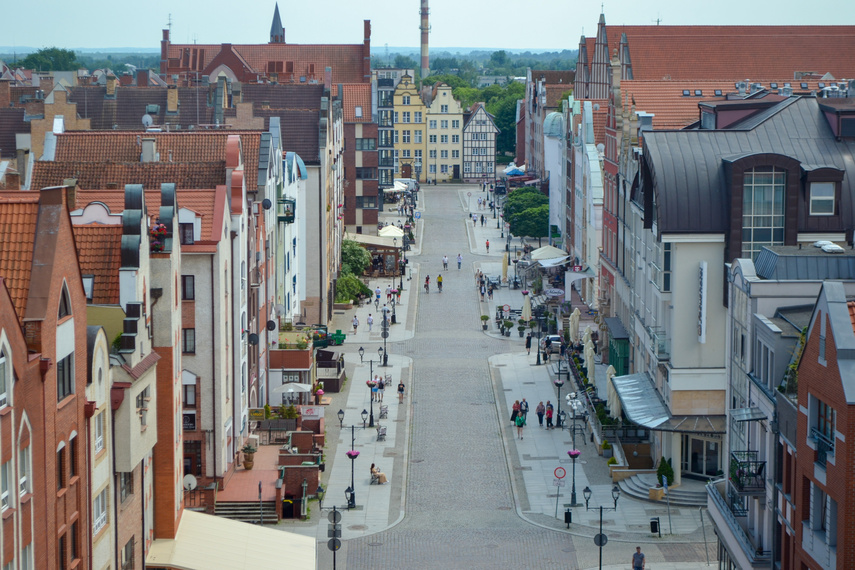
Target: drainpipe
214	361
115	519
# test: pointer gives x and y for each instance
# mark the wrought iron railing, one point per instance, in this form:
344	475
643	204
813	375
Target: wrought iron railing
729	515
824	446
747	472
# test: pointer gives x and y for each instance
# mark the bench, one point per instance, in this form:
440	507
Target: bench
381	433
384	412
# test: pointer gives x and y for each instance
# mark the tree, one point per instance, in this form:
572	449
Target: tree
523	199
354	258
51	59
532	222
405	62
349	288
499	59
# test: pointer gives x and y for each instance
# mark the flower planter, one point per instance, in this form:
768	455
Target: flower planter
248	461
484	326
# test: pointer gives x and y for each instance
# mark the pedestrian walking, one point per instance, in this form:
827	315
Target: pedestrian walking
381	389
520	423
490	293
400	391
524	408
515	411
482	220
388	293
638	559
399	295
488	246
540	410
355	323
377	293
375	389
459	261
369	321
483	291
549	412
479	202
474	220
528	343
444	262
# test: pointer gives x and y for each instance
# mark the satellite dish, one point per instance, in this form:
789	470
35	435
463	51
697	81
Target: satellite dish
271	325
189	482
253	339
280	310
266	204
147	121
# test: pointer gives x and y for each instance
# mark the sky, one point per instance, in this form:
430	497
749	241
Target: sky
538	25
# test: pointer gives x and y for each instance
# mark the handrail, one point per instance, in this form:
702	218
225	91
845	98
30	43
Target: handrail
736	529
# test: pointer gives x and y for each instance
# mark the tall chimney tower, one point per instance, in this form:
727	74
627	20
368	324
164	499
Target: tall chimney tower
425	28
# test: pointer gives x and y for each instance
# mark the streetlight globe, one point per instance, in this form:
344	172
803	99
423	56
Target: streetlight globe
587	493
361	352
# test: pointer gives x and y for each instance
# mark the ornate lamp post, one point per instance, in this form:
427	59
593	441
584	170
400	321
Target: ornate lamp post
370	382
601	539
560	382
352	454
573	453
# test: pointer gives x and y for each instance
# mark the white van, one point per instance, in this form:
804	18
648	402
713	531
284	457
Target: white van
410	183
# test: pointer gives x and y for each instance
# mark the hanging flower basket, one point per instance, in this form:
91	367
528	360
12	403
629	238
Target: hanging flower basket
574	453
525	292
352	454
156	246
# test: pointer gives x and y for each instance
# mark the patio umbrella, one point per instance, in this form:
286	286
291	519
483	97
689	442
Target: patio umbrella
587	336
574	324
547	252
391	231
505	268
526	309
614	401
589	360
291	386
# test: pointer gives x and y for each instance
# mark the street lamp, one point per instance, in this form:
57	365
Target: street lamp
340	415
601	539
370	382
560	382
538	326
573	453
352	454
320	493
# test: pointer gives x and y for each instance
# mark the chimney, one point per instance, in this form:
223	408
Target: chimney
172	99
46	83
741	86
328	78
13	180
71	192
142	78
111	86
5	94
149	150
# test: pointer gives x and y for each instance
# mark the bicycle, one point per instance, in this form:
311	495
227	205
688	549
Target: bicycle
427	287
439	286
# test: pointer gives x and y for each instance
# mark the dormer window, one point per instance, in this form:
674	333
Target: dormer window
822	198
64	303
186	233
88	285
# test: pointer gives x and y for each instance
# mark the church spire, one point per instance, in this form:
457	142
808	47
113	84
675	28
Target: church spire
277	30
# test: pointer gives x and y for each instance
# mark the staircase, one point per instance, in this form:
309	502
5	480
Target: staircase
692	494
248	512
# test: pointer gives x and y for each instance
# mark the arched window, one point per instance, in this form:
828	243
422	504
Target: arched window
64	303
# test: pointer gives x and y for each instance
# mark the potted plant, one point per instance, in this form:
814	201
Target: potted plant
248	456
607	448
484	319
507	327
521	329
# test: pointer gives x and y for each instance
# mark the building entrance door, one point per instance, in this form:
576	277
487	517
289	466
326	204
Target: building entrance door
406	171
457	172
701	455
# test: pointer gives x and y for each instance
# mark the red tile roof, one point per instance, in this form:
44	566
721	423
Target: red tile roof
551	77
97	175
11	123
199	146
727	52
356	95
553	95
600	117
125	112
18	217
99	252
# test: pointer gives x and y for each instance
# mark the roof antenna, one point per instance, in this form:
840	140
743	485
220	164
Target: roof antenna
658	20
169	25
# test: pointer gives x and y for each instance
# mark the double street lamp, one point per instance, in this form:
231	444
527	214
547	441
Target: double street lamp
352	454
601	539
370	383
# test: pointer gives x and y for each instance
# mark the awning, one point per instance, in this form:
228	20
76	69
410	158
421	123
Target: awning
210	542
616	328
291	387
547	252
571	276
747	414
643	405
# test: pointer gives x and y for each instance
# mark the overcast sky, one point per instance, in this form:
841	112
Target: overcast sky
532	24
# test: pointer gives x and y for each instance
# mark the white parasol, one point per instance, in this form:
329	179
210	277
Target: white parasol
613	400
391	231
526	309
291	387
574	324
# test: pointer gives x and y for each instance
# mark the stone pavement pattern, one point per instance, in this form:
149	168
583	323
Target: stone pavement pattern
462	469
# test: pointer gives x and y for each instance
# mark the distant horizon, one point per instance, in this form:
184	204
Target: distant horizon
375	50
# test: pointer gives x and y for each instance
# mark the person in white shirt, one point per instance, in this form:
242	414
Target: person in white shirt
370	322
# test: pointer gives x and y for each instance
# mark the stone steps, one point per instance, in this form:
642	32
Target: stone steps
247	511
638	487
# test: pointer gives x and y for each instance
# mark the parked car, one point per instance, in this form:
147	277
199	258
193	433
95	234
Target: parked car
554	338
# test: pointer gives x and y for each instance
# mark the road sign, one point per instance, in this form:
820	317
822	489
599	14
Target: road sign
384	334
560	472
559	483
601	539
334	544
665	483
506	308
469	194
417	215
334	517
334	531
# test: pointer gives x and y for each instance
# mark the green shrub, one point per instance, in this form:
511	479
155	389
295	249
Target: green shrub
349	287
267	411
666	470
606	444
611	461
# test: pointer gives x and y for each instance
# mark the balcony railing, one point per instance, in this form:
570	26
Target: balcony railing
661	343
747	473
729	528
824	446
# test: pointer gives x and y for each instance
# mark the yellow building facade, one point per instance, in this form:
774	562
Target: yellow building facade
410	137
444	135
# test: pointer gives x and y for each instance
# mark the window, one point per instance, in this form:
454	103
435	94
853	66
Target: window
64	303
188	341
455	154
72	457
405	153
443	154
72	541
417	117
62	553
455	139
4	394
357	111
467	167
418	155
128	555
405	100
443	139
126	485
822	198
99	512
417	137
432	139
444	109
99	431
432	124
763	209
396	136
366	202
455	124
88	283
443	124
432	153
24	470
188	288
4	486
666	267
396	116
825	420
65	377
443	168
60	467
185	231
406	117
27	557
366	144
405	136
365	173
432	169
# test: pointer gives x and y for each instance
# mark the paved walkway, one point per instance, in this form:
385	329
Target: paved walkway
463	491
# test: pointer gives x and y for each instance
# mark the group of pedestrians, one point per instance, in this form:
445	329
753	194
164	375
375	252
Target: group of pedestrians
519	412
378	389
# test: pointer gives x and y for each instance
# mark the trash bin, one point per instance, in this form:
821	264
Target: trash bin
568	517
654	526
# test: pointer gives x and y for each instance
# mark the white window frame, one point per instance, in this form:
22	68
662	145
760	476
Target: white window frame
98	429
824	188
5	498
4	383
99	511
24	468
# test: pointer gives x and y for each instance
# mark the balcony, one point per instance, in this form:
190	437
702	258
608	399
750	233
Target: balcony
742	546
660	343
824	446
747	473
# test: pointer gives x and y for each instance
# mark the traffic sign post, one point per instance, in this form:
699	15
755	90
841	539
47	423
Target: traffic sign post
668	499
334	533
559	473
